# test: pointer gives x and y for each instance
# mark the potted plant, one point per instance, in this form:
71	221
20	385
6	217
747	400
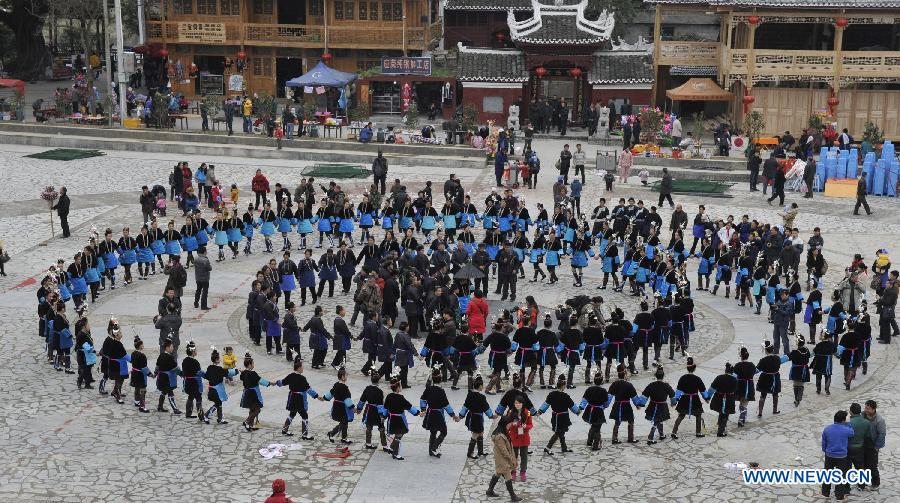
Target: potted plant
50	195
411	119
754	124
872	139
651	124
816	121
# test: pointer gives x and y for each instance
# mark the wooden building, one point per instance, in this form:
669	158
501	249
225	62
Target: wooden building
281	39
515	51
790	59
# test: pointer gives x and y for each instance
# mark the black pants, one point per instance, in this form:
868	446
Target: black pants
576	202
288	348
871	458
579	167
522	454
277	341
483	282
64	223
340	428
345	283
259	195
779	193
404	372
379	181
201	294
564	172
754	178
842	464
667	197
339	357
437	438
322	288
860	201
318	358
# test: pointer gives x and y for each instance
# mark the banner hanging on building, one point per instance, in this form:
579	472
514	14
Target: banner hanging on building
201	32
405	66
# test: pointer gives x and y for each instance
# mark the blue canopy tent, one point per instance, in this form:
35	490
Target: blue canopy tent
322	75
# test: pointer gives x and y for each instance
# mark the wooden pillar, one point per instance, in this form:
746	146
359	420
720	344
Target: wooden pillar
838	55
751	56
657	33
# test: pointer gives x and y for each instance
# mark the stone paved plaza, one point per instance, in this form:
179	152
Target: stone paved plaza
62	444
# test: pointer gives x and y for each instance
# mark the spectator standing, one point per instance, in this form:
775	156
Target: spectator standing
565	160
62	210
809	175
753	163
247	113
228	108
770	167
575	193
202	270
380	170
578	158
626	160
148	204
862	434
879	431
888	304
835	438
676	131
778	187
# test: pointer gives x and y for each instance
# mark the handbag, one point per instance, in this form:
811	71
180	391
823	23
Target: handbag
4	257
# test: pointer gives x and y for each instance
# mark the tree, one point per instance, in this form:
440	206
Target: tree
25	18
85	14
754	124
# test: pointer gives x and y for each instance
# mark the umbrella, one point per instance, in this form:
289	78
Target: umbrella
469	271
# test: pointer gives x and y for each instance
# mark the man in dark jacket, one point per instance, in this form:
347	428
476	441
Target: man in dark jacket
770	167
665	189
412	306
753	163
508	266
860	197
380	170
809	174
228	108
389	298
148	204
482	261
177	275
778	187
342	336
565	160
202	270
62	209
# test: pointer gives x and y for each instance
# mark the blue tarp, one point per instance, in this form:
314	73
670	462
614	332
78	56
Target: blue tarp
322	75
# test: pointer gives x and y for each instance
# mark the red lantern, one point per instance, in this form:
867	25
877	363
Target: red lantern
540	71
326	58
164	53
833	102
841	22
748	100
575	72
241	55
754	20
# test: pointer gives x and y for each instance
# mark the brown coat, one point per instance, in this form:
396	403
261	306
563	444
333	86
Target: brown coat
504	458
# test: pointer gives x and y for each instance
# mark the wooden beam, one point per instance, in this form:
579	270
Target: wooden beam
657	33
838	50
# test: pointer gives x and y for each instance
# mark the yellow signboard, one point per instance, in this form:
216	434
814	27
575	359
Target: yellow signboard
201	32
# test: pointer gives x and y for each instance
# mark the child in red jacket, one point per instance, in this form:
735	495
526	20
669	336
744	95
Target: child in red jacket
519	431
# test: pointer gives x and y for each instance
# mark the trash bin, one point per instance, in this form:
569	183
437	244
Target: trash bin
607	161
380	135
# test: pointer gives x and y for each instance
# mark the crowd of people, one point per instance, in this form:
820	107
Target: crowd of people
418	253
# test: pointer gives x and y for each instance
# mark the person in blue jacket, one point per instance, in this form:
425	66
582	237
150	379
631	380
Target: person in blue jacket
835	438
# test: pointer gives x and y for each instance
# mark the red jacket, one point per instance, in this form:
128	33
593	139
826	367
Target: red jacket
478	312
517	439
278	496
260	183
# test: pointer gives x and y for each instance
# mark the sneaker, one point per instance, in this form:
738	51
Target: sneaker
331	438
286	433
371	446
522	477
307	437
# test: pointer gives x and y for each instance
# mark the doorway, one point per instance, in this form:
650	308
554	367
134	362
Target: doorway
285	70
292	12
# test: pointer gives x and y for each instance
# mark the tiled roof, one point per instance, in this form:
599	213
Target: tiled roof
495	5
694	70
621	68
490	65
560	24
796	4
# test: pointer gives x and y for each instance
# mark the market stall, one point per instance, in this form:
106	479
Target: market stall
316	81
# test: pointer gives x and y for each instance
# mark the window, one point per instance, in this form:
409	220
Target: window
343	10
492	104
262	66
262	6
315	7
363	11
206	7
391	11
373	11
183	6
230	7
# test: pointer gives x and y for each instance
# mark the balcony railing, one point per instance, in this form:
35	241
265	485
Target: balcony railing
689	53
312	36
